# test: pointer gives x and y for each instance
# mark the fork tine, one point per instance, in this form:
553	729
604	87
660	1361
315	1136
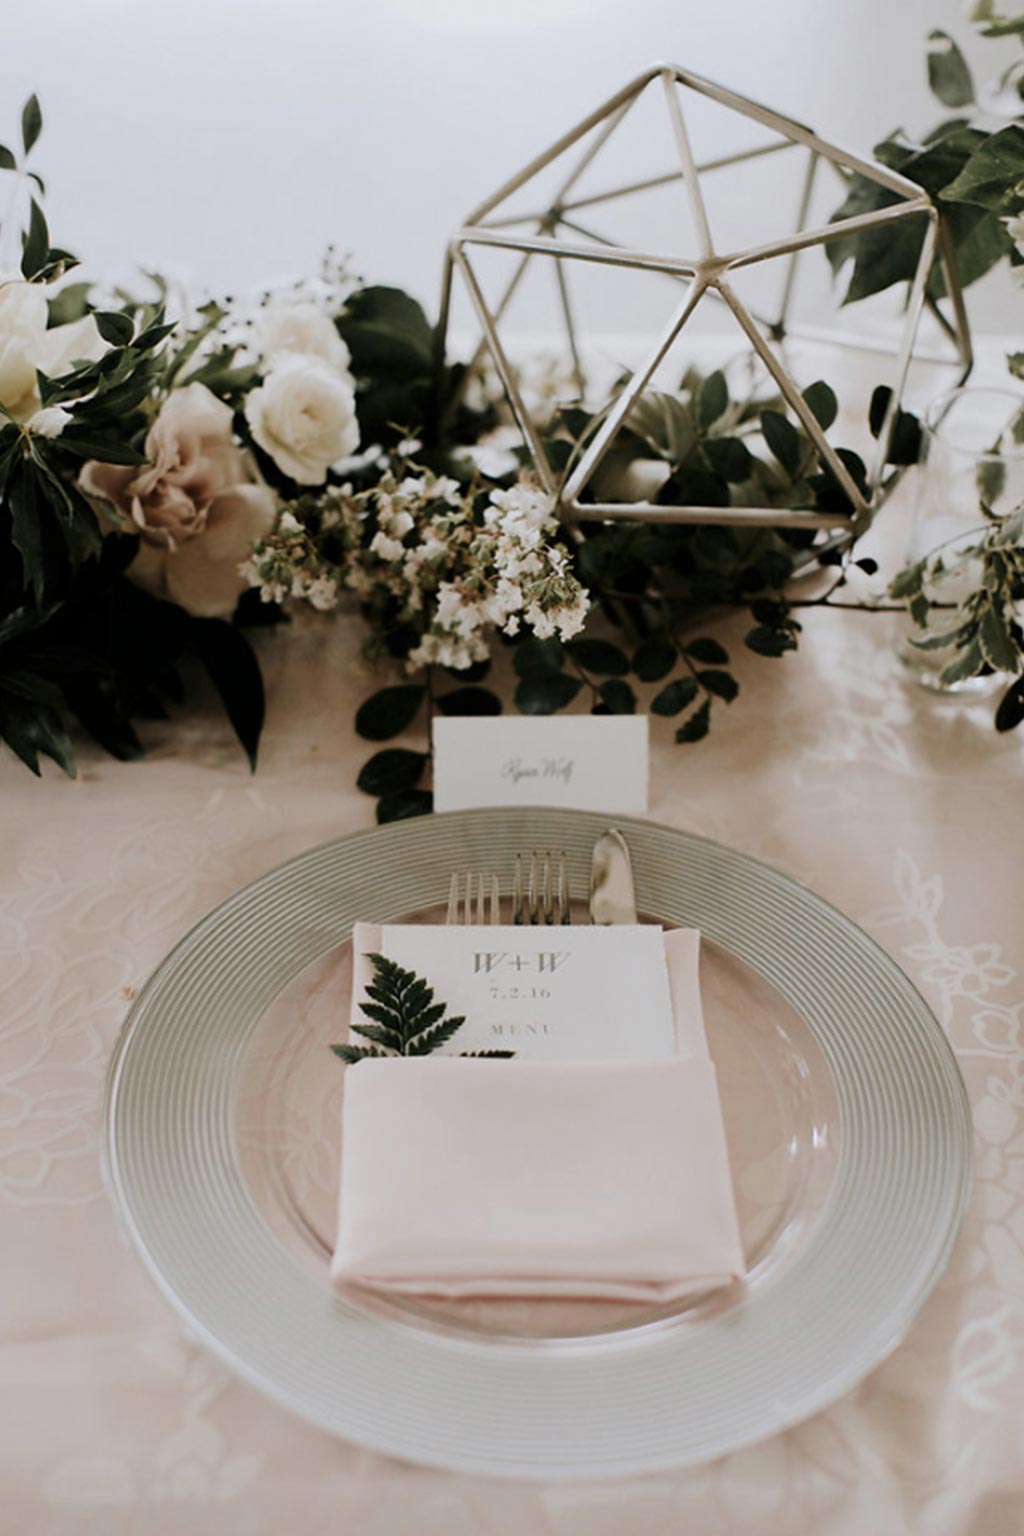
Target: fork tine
452	915
518	915
495	903
534	914
563	889
548	901
481	909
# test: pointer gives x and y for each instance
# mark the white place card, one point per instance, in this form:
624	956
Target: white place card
553	993
581	762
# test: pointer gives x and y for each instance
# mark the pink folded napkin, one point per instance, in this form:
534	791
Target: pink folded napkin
465	1177
585	1179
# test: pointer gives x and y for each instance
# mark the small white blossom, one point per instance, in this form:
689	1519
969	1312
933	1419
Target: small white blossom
50	421
289	523
400	524
386	548
323	593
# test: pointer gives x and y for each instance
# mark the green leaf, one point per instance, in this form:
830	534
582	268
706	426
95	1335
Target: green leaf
114	327
36	243
905	443
30	729
948	75
729	457
408	1022
769	642
1011	707
618	696
72	303
996	642
7	159
967	663
713	400
675	697
31	122
704	648
782	439
822	403
543	695
387	332
654	659
390	711
599	656
403	804
692	486
538	658
469	701
698	725
889	254
391	770
722	684
350	1054
772	611
665	423
27	528
234	671
434	1038
378	1034
992	175
909	581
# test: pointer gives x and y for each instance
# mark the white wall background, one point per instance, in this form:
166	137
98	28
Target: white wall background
231	140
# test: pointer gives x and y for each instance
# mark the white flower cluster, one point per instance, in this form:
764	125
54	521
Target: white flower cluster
437	570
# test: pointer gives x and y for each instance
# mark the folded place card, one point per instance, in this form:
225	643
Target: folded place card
548	993
535	1178
584	762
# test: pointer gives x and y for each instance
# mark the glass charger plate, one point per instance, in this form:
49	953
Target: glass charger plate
848	1130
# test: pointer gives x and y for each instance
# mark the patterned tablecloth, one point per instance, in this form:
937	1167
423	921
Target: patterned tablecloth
904	810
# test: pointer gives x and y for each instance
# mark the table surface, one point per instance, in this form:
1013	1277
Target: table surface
901	808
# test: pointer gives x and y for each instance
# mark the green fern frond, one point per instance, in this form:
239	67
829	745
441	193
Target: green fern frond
406	1021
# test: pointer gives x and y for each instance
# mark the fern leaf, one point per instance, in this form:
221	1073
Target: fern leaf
353	1053
426	1020
389	1038
406	1021
423	1044
380	1015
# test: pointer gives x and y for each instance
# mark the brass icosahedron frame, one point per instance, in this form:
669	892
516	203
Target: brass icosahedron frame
708	272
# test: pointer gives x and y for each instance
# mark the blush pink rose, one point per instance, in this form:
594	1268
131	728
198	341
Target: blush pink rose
198	504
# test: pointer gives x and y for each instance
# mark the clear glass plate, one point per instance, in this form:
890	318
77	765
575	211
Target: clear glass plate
847	1123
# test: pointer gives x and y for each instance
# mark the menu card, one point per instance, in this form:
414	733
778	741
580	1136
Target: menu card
550	993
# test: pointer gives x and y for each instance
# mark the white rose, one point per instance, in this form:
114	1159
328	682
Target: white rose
304	416
22	328
302	327
77	342
27	346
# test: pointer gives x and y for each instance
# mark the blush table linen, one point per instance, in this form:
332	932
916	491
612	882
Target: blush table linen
903	809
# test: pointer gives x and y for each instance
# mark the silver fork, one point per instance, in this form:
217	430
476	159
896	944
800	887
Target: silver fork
541	894
468	903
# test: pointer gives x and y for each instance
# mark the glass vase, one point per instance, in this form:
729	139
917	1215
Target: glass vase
972	453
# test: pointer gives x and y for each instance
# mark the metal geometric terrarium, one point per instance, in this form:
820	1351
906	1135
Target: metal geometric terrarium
689	252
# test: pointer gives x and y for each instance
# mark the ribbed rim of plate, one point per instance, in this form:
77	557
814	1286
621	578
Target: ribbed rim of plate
642	1402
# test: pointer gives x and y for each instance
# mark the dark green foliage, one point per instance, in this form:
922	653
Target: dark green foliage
405	1019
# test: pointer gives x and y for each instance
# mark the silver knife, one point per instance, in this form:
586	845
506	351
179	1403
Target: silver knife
612	898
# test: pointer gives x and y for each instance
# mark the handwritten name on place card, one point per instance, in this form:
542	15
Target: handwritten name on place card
551	993
582	762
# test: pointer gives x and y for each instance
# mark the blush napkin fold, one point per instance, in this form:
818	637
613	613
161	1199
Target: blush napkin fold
577	1179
